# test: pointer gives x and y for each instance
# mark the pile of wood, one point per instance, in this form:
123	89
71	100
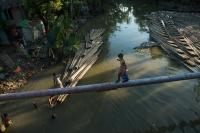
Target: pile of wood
176	39
83	60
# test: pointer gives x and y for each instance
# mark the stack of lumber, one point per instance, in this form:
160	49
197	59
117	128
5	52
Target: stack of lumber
82	61
179	44
93	35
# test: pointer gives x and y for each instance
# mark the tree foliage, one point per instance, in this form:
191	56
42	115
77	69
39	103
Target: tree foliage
58	15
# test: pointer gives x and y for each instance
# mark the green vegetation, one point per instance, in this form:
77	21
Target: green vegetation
58	22
59	15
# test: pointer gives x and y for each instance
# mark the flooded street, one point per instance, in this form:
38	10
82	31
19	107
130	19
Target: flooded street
170	107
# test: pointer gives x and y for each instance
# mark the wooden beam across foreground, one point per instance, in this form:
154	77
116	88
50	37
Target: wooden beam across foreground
98	87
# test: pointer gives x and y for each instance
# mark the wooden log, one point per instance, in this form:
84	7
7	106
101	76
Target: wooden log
185	50
98	87
158	37
197	60
184	56
83	73
181	55
87	37
157	30
191	63
161	34
88	44
189	48
53	101
157	26
87	41
75	68
192	53
76	58
172	42
83	56
179	51
62	98
78	72
82	68
90	53
173	45
66	71
96	33
83	63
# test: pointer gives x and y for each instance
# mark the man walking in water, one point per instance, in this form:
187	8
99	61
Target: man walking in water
122	70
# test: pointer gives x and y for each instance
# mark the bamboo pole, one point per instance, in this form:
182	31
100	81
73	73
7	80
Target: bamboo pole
73	84
98	87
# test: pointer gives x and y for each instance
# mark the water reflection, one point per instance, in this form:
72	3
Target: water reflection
143	109
148	109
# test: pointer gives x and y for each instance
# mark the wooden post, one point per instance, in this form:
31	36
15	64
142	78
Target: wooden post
98	87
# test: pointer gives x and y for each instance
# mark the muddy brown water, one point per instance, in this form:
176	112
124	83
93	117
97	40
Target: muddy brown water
169	107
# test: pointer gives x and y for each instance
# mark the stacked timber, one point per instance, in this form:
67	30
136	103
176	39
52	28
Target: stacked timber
93	35
82	61
180	44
